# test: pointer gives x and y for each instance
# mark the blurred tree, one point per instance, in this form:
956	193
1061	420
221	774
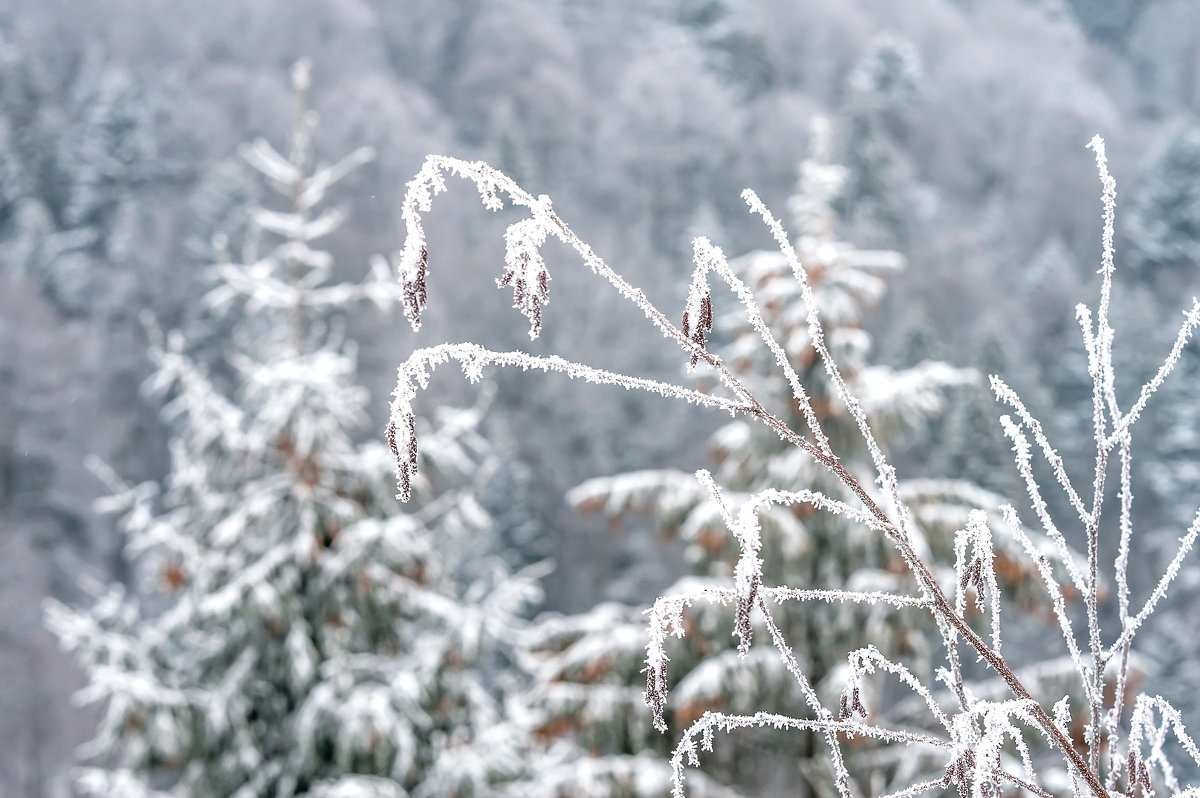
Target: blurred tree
680	113
1109	21
44	368
1164	222
220	207
12	182
970	445
110	147
728	31
882	91
1174	473
26	112
299	635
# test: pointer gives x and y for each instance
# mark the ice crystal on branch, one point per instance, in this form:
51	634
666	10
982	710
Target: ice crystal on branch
698	313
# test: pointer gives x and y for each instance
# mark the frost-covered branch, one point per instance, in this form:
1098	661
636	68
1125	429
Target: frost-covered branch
414	374
985	735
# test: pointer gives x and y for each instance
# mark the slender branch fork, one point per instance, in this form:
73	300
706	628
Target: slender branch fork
525	273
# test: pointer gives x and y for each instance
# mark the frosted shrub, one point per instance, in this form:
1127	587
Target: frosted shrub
978	726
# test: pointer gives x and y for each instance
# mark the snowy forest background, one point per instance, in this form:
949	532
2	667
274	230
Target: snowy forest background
961	125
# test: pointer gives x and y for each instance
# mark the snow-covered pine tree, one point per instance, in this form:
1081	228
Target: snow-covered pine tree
298	634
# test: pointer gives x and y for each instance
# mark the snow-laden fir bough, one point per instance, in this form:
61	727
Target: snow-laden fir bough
980	733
